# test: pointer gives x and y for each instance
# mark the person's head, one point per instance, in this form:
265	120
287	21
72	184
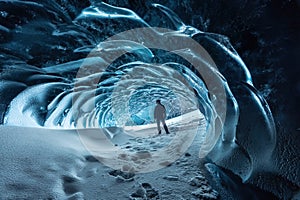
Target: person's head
158	101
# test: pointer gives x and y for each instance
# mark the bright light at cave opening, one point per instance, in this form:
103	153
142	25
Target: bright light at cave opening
133	99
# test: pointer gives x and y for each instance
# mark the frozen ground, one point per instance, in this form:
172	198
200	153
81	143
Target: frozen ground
58	164
54	164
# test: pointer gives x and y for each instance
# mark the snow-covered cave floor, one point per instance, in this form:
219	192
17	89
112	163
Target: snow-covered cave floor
43	163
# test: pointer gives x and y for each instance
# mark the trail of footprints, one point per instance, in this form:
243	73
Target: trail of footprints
144	191
71	184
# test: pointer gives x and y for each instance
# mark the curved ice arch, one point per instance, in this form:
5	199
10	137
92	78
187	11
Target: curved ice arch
238	89
255	136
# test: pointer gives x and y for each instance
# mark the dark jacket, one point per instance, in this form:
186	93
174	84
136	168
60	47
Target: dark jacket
160	111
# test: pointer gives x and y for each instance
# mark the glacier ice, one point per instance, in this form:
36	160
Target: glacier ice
59	71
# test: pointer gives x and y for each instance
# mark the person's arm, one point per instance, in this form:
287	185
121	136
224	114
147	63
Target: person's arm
164	112
155	113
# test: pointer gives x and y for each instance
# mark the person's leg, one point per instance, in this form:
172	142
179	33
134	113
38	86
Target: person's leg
165	126
158	126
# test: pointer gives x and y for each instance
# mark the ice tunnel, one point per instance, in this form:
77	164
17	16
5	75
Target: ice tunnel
104	66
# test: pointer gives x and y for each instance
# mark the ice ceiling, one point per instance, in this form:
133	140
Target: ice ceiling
70	67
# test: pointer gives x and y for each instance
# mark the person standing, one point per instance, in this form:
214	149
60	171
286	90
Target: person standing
160	116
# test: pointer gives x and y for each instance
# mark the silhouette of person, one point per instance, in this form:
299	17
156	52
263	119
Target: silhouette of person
160	116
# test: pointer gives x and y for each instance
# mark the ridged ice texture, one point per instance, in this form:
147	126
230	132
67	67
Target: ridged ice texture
43	44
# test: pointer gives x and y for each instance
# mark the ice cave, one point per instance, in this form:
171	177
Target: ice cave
78	86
